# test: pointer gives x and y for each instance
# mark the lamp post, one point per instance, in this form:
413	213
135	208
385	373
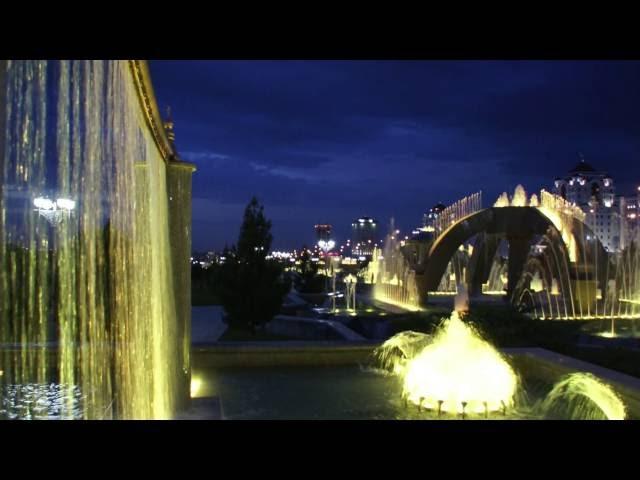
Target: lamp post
326	246
54	211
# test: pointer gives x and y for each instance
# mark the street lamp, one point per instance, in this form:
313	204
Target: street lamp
54	211
326	246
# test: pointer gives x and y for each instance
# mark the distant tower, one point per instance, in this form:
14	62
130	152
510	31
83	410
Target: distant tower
594	192
323	232
364	236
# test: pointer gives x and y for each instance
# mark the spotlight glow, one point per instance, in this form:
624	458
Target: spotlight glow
66	204
44	203
196	384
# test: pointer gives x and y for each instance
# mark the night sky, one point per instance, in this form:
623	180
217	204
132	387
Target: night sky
328	141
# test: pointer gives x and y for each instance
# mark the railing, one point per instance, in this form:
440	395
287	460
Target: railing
456	211
555	202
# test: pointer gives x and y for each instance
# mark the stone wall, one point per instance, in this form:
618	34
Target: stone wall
179	192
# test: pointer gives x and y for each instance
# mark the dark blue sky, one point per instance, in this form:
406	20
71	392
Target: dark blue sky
328	141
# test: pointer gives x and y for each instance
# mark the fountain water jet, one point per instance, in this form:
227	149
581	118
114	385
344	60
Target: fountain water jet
453	371
581	396
89	304
394	278
459	367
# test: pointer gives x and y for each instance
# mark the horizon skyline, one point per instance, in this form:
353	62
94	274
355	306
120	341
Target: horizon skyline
386	225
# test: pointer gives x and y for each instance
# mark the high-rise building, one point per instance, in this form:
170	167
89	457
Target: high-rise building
594	192
364	235
323	232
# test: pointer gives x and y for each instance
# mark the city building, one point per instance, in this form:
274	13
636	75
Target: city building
594	192
364	236
630	208
323	232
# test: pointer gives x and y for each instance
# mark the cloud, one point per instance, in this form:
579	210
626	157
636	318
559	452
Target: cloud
290	173
391	137
196	156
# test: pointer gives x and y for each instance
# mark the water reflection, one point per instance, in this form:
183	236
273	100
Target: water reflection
38	401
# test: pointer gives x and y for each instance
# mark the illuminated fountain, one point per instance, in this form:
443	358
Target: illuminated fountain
624	286
395	271
581	396
457	211
370	273
502	201
536	283
456	269
461	300
394	278
568	275
453	371
569	291
519	197
88	306
498	273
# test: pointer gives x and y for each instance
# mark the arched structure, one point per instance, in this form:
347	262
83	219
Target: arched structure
519	226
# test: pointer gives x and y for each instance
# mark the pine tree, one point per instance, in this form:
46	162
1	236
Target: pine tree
252	287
